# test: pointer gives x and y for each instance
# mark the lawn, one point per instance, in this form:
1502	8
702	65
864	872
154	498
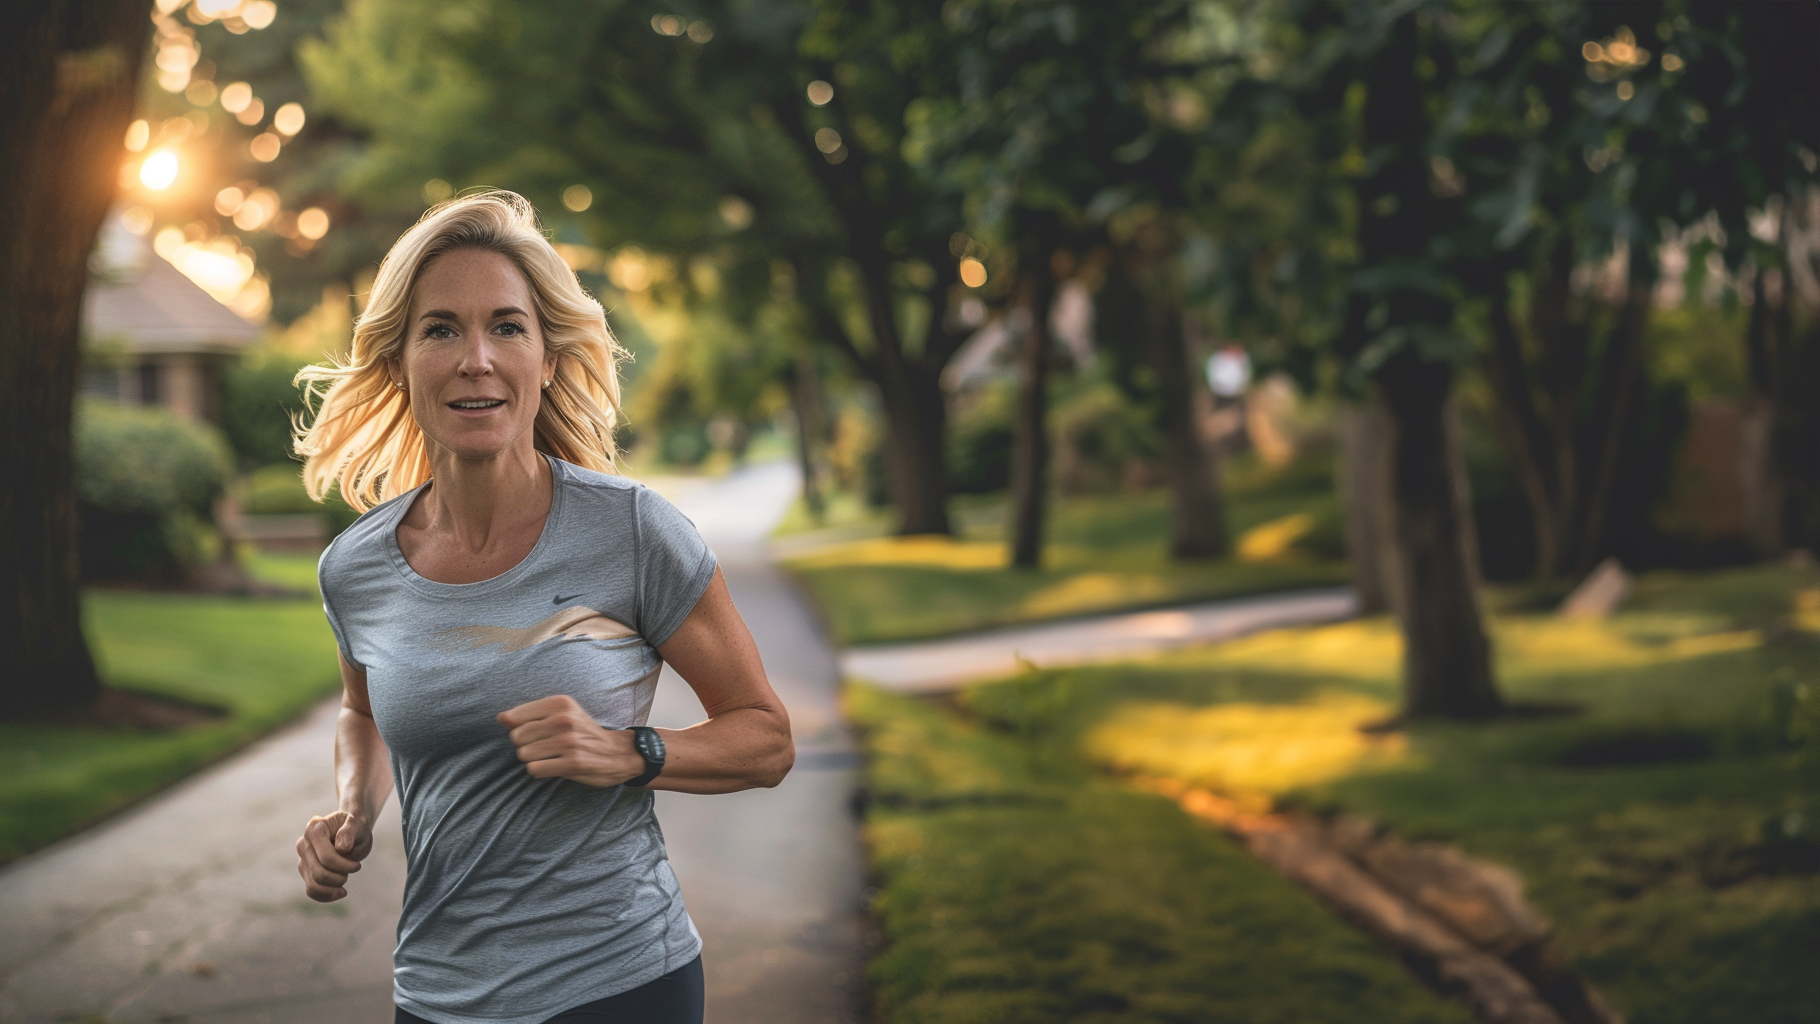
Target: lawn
1104	554
262	661
1018	888
1667	829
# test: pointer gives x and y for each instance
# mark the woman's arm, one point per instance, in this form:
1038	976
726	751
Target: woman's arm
333	845
744	744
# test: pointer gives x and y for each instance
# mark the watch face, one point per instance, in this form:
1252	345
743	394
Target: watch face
650	745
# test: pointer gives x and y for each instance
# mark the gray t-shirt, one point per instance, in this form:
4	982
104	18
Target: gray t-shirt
523	897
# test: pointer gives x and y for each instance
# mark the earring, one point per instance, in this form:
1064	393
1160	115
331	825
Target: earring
546	383
398	384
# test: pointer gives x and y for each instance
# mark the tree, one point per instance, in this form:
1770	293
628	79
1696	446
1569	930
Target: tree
68	85
699	137
1569	142
1365	81
1062	136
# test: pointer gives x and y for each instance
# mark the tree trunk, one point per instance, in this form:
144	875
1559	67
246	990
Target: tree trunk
916	422
916	412
806	396
1447	658
1197	520
1363	472
1620	377
1030	442
1761	472
68	86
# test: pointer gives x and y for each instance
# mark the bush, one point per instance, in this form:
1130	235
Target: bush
146	484
278	490
257	403
979	440
1101	438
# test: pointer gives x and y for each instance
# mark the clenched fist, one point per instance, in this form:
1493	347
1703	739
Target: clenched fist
331	849
557	740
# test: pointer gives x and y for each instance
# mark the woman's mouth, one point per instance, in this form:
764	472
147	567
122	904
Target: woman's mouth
476	403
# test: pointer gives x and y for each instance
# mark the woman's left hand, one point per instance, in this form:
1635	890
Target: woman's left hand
557	740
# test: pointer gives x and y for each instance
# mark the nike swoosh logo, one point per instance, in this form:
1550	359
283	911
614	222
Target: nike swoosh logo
560	600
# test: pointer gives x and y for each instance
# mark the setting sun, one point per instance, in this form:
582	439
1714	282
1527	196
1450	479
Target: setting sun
159	170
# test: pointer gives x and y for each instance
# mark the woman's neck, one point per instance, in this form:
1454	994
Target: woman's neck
474	500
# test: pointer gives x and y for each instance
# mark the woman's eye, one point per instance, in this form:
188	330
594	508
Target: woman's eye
509	328
439	331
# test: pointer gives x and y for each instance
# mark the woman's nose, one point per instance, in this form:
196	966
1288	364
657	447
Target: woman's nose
476	359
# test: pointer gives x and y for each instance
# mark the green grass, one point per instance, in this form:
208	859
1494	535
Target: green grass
1104	554
1683	888
263	661
1017	888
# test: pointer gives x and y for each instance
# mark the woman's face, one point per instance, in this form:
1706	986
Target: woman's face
473	361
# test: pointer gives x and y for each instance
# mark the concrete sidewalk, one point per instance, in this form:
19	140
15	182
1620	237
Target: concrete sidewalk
188	908
932	665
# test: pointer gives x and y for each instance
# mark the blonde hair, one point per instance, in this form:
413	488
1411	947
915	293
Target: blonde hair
362	435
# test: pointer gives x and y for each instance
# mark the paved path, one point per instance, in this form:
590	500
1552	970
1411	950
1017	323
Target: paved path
188	908
944	664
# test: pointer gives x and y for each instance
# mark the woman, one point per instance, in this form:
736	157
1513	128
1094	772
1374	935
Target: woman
503	611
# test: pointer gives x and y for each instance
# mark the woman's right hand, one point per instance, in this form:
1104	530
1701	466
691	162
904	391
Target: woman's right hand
331	849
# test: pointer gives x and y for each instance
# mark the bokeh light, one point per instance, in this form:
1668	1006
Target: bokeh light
820	93
736	212
265	147
220	267
201	92
236	96
252	113
259	13
159	170
973	273
827	140
229	200
700	32
313	223
138	134
666	25
137	219
289	119
437	190
577	198
257	210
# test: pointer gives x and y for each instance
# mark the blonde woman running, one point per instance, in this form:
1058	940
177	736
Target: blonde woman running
503	610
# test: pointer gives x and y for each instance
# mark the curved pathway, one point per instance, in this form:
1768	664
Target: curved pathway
944	664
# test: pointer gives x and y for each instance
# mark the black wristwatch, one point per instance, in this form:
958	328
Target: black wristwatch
650	746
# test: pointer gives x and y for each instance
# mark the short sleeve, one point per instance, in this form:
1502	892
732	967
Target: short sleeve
675	566
328	609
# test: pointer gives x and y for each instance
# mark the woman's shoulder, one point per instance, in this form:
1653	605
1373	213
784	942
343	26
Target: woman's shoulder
615	500
363	541
593	487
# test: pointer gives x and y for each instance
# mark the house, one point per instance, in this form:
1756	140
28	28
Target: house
152	336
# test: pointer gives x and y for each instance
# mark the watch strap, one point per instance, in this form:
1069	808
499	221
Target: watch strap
646	741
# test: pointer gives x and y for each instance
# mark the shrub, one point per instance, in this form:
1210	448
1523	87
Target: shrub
257	403
278	490
979	440
1102	438
146	484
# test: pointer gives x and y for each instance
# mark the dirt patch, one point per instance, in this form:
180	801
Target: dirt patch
1461	924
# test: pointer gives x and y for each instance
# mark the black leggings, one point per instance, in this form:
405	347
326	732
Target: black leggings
675	998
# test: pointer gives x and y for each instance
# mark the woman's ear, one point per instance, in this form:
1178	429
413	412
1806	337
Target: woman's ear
394	371
549	367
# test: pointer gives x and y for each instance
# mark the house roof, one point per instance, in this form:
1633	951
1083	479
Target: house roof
153	307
